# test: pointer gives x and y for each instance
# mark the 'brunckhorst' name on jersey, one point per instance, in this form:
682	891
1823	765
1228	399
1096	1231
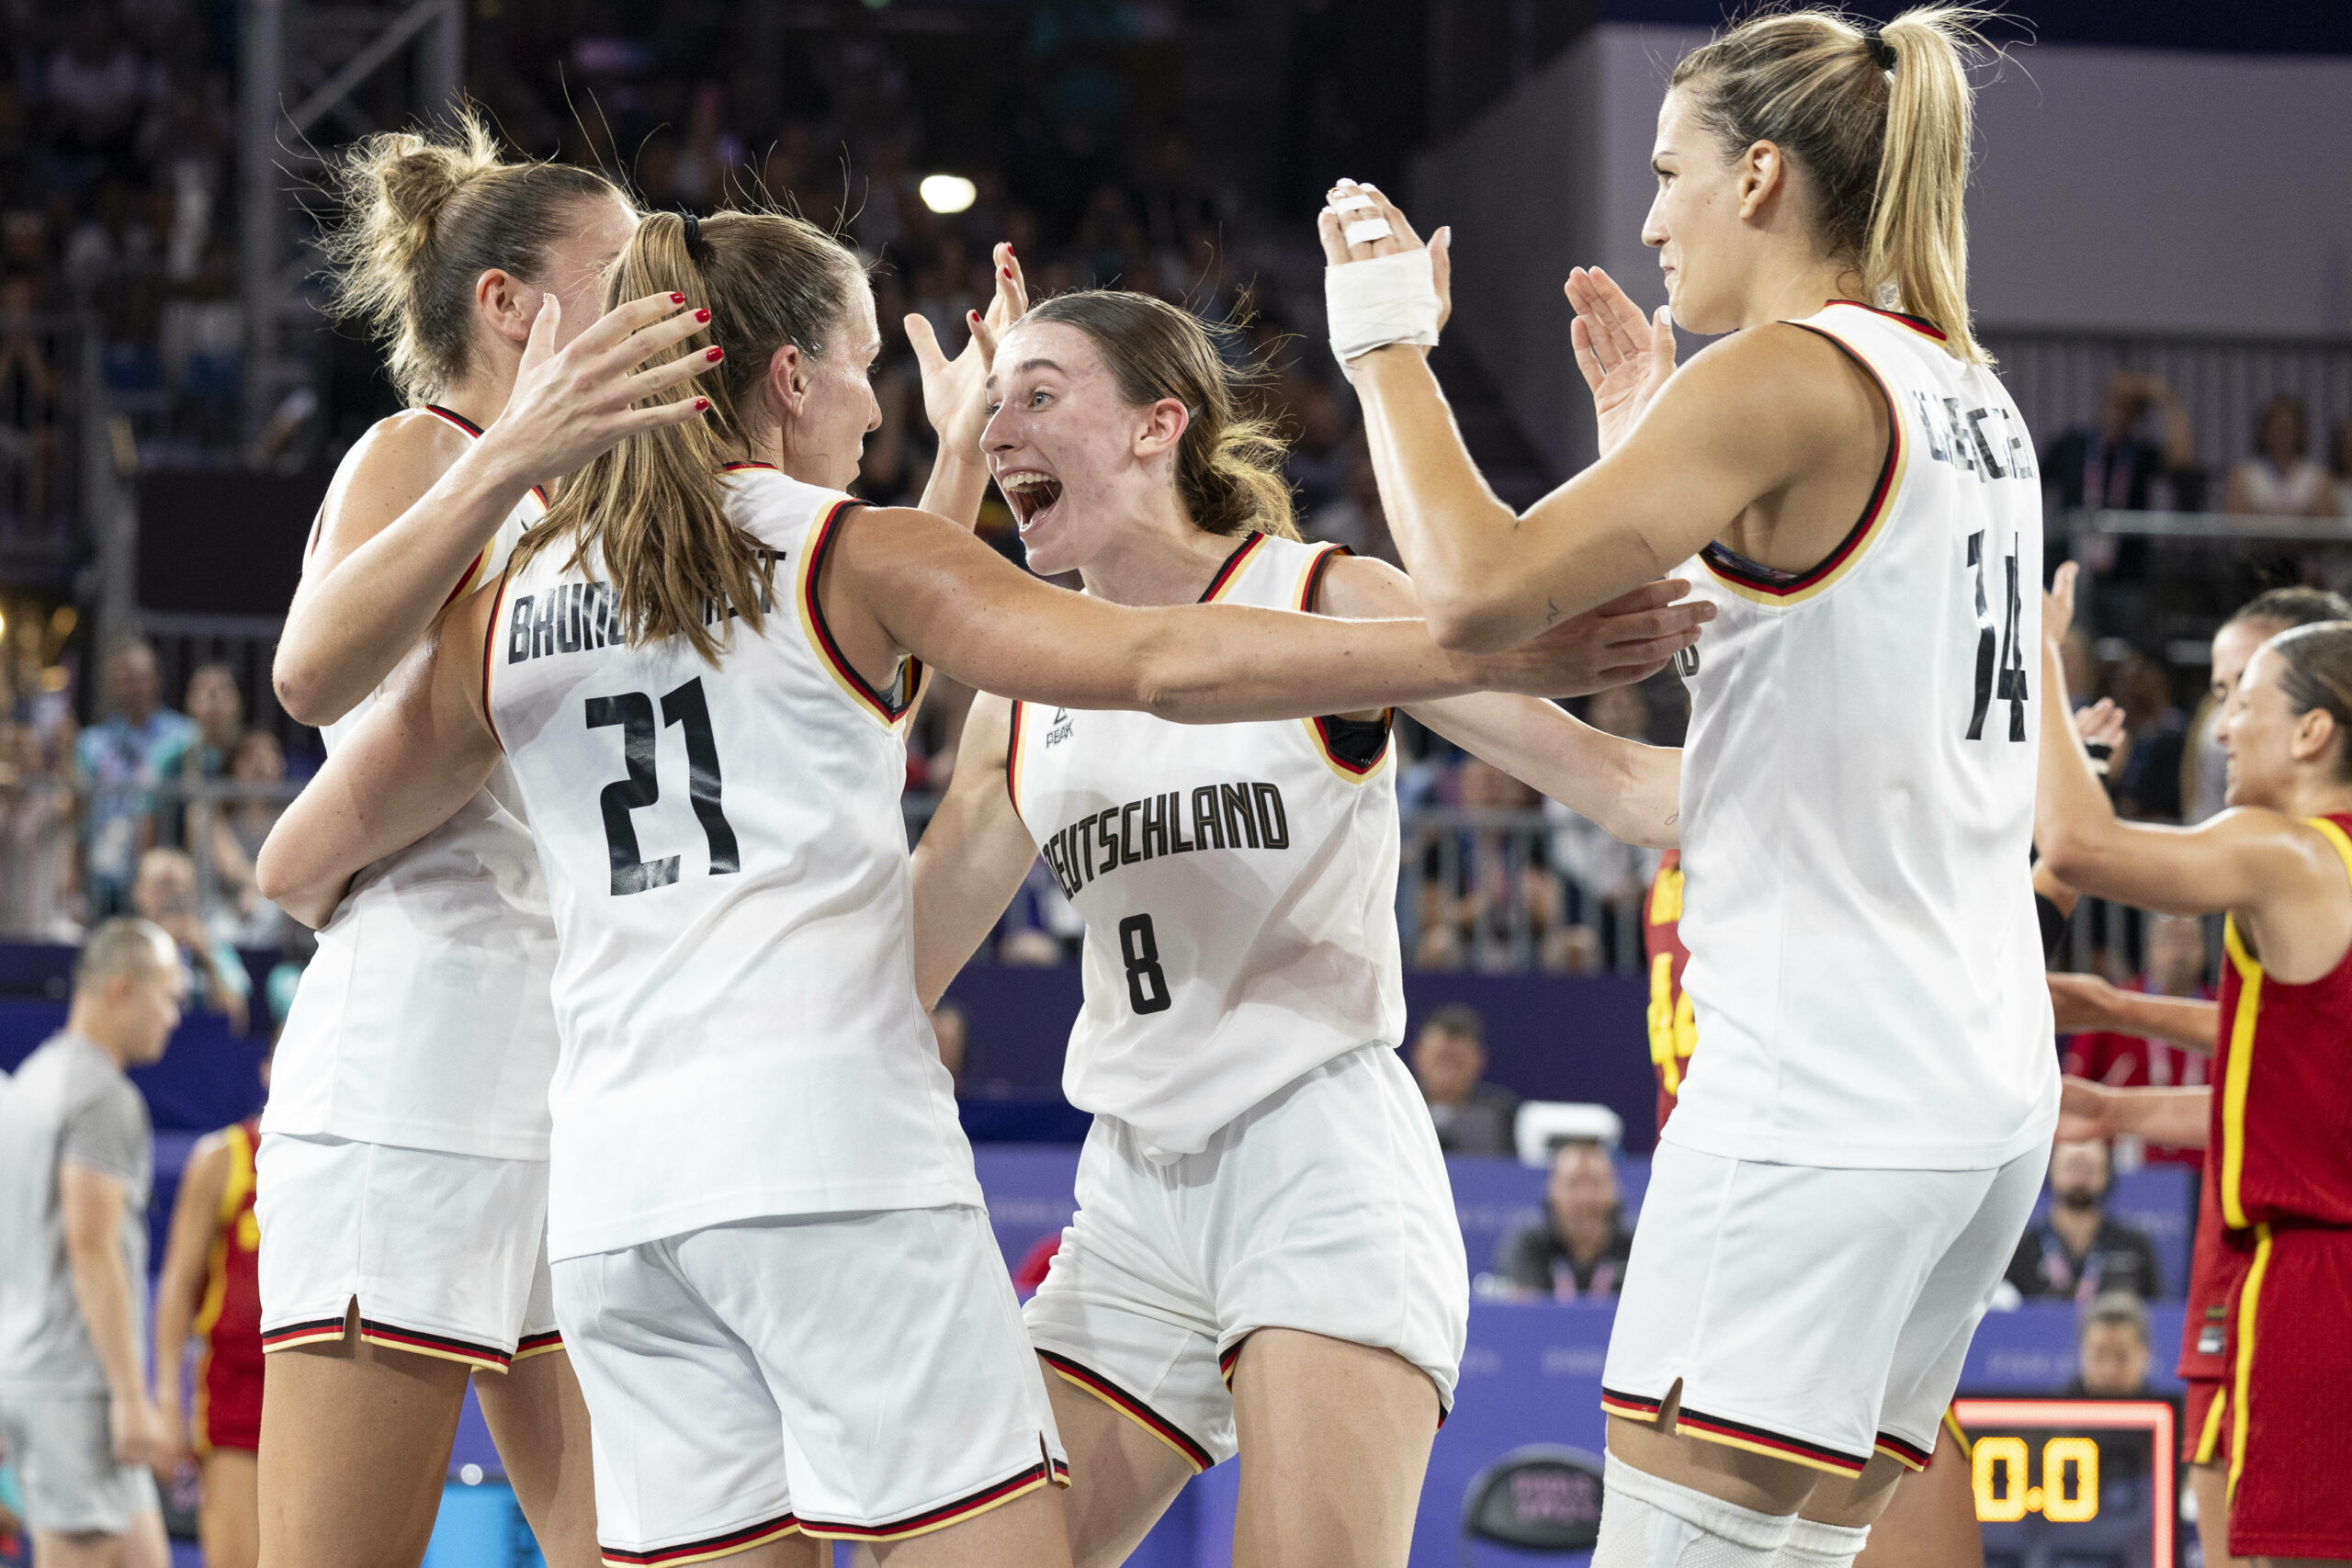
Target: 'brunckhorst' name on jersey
1222	816
573	616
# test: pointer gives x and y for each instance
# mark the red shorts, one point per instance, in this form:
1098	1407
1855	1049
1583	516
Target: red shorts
2292	1364
2205	1421
228	1399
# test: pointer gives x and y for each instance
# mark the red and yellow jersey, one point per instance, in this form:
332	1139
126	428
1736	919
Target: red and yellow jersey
228	1322
2282	1113
1673	1032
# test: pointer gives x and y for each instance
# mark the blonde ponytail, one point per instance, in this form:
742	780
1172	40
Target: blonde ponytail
422	218
655	505
1881	120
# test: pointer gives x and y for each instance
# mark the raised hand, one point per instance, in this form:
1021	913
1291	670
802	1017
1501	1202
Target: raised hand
954	391
573	402
1629	638
2058	602
1338	249
1626	356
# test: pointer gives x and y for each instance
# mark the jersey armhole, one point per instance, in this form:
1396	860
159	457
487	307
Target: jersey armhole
893	709
1771	585
1353	746
1012	761
489	643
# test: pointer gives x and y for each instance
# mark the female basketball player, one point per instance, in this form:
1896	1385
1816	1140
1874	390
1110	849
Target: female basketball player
403	1161
2280	865
206	1290
748	1091
1853	1156
1244	1000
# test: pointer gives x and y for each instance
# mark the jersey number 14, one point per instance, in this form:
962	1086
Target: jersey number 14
2000	658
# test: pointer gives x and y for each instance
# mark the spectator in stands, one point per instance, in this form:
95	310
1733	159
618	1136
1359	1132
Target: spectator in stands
2115	466
2339	466
236	912
1496	904
2078	1250
166	894
2280	479
141	744
2112	1352
218	708
1579	1247
952	1029
76	1163
38	896
2145	778
1449	1058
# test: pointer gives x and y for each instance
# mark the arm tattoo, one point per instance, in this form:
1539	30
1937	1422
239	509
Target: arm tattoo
1551	610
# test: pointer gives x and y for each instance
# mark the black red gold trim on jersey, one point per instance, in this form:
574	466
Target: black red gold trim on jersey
1046	1472
1231	569
1919	324
1736	1434
312	1332
1910	1456
1353	748
1084	1377
703	1550
1768	585
470	578
489	642
892	713
470	428
532	1345
1013	759
392	1337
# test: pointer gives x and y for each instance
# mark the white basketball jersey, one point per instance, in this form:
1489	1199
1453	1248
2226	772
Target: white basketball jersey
1857	786
1239	883
423	1020
727	858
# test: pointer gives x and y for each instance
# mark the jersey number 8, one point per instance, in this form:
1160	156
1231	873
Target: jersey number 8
633	711
1146	982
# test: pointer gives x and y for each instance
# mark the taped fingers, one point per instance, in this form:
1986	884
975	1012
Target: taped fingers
1365	230
1383	301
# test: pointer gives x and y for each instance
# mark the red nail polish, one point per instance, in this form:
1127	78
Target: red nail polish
702	405
702	315
714	354
677	299
972	316
1008	272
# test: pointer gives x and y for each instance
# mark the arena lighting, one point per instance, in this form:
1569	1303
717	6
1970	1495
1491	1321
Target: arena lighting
947	193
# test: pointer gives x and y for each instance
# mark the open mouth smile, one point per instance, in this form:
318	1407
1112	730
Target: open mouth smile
1031	495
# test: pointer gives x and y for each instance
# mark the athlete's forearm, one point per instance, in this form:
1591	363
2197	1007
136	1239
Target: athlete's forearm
1220	664
1631	790
2173	1118
350	628
2190	1023
1458	540
958	486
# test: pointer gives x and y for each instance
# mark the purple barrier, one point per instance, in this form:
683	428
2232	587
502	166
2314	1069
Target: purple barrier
208	1079
1548	1036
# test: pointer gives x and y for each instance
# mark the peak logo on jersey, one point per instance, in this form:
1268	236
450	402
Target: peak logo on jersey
1961	440
572	617
1059	731
1222	816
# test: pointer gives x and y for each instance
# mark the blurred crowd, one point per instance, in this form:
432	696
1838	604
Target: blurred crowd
116	149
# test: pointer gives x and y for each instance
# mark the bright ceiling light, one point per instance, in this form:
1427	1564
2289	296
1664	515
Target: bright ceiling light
947	193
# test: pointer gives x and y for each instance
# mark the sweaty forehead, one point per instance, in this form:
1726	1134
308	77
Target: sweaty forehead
1069	351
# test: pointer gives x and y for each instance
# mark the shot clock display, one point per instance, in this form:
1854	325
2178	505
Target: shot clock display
2074	1483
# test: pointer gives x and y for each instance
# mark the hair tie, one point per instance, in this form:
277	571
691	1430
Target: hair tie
1880	51
694	232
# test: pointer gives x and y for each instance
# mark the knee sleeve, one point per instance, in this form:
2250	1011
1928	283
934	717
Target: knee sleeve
1649	1523
1812	1544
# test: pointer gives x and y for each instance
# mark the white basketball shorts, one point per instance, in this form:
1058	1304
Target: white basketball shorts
1816	1315
859	1376
1325	1207
446	1254
62	1447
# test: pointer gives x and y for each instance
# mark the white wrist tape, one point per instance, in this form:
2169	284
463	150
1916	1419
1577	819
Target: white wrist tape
1387	299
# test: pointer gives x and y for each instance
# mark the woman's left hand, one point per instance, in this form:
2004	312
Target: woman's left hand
1336	250
954	391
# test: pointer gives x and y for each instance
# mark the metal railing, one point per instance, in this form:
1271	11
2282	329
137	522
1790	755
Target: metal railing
1479	890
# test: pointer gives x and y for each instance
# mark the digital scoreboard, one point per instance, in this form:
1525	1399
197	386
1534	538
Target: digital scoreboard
2083	1482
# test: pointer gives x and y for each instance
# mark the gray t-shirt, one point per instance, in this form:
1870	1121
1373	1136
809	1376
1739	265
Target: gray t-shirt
68	1104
